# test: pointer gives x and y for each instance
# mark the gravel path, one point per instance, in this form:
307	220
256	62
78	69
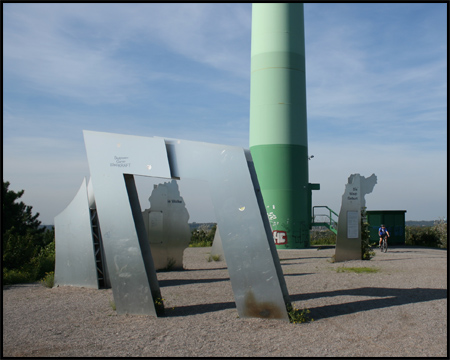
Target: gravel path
401	310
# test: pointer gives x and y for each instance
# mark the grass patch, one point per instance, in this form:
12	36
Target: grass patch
48	280
214	258
357	270
112	304
201	244
298	316
159	306
170	264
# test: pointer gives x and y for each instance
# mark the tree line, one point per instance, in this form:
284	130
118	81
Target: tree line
28	250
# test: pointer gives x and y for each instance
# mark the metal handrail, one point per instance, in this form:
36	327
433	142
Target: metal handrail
329	216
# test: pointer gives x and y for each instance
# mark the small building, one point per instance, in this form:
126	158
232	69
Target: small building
394	220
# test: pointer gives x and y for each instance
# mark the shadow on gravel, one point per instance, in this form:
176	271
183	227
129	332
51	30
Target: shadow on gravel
176	282
391	297
298	274
198	309
394	259
183	270
283	263
405	249
395	297
303	258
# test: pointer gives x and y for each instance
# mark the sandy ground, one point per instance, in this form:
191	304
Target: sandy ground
399	311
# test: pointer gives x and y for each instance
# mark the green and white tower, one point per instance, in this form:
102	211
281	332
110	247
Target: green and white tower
278	128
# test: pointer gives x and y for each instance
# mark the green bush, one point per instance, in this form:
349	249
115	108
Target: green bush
32	264
325	237
204	243
202	237
213	258
366	250
422	236
18	249
298	316
44	261
48	280
17	276
440	228
28	250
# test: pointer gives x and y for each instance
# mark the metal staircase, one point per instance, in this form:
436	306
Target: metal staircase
325	219
102	277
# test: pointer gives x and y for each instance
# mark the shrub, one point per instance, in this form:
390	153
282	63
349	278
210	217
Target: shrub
422	236
440	228
325	237
214	257
17	276
44	262
169	265
28	250
366	250
35	262
159	306
202	237
48	280
18	249
201	244
297	316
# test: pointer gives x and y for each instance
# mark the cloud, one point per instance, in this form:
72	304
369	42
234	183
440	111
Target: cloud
196	32
376	91
366	76
76	50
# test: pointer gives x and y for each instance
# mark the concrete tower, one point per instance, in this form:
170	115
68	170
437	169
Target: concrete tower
278	129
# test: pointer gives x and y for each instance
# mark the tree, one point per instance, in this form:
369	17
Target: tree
22	237
203	236
440	228
17	215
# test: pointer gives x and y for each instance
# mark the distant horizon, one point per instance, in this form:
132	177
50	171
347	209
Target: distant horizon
213	222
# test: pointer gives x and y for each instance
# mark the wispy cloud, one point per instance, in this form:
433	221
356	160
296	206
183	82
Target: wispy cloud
74	50
376	90
368	74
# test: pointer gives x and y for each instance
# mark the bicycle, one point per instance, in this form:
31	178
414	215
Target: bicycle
384	244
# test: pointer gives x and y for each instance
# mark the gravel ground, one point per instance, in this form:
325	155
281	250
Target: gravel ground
399	311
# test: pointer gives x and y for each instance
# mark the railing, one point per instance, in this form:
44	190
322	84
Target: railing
330	223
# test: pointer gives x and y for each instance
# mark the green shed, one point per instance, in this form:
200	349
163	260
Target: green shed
394	220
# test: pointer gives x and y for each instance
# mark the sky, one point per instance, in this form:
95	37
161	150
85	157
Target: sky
376	85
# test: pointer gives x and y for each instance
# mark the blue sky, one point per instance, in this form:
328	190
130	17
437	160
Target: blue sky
376	78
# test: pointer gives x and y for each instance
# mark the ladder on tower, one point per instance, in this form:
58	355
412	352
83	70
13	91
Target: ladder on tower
326	219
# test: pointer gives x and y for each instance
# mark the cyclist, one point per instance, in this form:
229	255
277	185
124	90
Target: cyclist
382	232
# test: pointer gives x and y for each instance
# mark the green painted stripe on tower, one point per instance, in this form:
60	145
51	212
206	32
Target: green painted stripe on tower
284	199
275	174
